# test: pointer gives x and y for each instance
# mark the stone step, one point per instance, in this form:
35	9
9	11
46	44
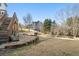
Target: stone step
5	24
5	37
6	21
3	41
3	34
3	31
3	28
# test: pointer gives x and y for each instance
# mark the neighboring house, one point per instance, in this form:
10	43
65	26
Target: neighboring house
8	25
3	11
37	25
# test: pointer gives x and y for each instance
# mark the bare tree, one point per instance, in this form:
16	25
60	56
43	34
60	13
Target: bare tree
60	16
63	15
28	20
75	15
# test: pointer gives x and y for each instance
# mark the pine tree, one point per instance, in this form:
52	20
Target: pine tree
47	25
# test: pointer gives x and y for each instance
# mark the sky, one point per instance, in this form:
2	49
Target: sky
38	11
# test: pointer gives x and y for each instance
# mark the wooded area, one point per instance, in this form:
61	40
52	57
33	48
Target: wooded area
68	22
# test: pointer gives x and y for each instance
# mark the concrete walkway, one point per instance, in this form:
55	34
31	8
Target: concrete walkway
66	38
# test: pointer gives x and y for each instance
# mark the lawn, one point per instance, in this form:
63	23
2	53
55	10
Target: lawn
46	47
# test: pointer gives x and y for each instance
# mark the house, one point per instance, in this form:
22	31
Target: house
3	7
8	25
37	25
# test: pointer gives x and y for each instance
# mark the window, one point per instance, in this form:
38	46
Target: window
2	13
0	4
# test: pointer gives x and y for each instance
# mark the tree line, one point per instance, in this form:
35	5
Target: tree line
67	25
69	28
69	22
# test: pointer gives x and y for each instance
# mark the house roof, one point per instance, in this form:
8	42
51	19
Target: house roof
5	4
